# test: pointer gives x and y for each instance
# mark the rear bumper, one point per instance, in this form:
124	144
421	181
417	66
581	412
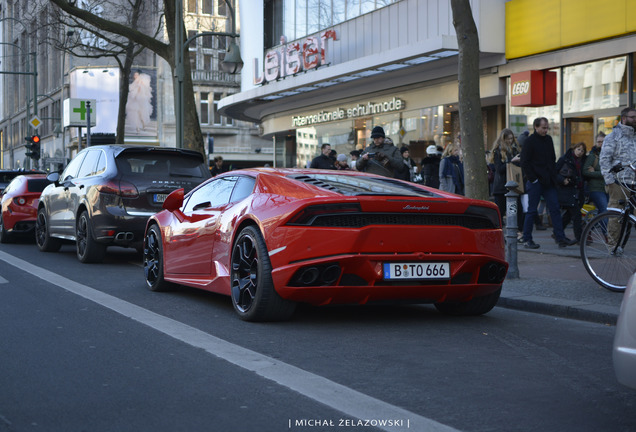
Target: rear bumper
358	278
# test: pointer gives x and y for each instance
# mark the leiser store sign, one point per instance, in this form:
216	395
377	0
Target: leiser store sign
291	58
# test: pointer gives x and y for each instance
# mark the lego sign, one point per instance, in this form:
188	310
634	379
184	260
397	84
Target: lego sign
289	59
533	88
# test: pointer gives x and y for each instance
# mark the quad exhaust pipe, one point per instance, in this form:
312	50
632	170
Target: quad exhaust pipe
317	275
124	237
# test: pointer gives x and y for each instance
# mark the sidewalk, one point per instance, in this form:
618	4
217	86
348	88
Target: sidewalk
553	281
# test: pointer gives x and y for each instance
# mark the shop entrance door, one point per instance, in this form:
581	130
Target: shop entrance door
579	129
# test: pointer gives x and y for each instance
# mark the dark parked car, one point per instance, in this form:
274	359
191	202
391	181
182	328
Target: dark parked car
107	193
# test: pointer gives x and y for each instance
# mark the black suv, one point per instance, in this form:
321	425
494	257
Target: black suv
106	194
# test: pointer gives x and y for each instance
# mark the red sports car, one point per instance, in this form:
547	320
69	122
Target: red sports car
270	238
20	205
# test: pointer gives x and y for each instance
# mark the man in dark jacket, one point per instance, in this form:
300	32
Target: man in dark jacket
538	162
323	161
381	157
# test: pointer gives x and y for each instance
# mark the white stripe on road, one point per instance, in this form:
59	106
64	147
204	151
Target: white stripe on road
3	280
320	389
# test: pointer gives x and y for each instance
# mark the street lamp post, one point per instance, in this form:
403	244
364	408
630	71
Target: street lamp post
232	63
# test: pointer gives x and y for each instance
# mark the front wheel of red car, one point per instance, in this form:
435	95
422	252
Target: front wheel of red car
43	238
5	237
88	250
253	294
153	261
476	306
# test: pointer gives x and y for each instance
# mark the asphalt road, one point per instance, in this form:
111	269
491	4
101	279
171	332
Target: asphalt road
88	347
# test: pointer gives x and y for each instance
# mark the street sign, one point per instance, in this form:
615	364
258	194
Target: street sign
35	122
75	112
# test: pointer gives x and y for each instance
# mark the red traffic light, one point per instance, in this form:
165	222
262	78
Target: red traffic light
35	139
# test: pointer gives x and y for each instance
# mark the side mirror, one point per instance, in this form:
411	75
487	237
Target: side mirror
54	177
174	201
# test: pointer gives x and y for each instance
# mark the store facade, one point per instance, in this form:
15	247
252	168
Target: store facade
333	86
591	57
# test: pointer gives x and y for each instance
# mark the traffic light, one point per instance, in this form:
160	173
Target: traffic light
33	147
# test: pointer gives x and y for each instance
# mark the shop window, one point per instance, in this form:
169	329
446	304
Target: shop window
595	85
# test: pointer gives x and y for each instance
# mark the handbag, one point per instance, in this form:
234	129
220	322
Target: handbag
513	173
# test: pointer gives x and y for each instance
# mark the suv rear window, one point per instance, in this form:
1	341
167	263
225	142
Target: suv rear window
158	165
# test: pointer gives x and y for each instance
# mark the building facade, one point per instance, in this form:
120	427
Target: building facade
328	72
32	40
331	71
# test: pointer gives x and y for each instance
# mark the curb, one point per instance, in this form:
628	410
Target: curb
583	311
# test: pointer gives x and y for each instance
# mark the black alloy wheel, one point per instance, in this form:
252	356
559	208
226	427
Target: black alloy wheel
88	249
43	238
253	294
153	261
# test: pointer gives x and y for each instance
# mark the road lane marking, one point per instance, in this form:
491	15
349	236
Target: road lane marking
348	401
3	280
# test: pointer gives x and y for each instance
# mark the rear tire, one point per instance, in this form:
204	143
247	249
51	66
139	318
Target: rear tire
5	237
476	306
88	250
253	294
43	238
153	261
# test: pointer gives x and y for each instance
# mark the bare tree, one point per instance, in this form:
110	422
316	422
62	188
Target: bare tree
89	42
193	139
470	120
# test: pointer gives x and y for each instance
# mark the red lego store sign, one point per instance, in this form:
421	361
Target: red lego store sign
533	88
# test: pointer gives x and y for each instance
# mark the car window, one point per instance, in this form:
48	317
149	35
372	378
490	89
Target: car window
244	188
101	164
89	164
73	167
37	184
161	165
214	194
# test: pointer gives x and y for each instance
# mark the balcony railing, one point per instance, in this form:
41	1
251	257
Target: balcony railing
200	76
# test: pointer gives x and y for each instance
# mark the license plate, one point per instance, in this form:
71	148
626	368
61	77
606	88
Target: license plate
425	270
159	198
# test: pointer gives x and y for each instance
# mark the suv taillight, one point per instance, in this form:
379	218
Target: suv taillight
124	189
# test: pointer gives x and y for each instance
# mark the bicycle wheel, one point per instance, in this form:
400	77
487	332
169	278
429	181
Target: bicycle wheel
608	253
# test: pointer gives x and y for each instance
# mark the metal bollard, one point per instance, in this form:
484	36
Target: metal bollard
512	197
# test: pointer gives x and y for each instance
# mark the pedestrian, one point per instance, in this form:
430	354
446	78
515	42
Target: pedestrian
451	170
323	161
218	167
407	170
333	155
381	156
341	162
592	173
619	147
355	155
430	167
504	151
538	162
570	187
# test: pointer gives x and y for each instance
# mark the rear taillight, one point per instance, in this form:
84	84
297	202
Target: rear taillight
19	201
123	189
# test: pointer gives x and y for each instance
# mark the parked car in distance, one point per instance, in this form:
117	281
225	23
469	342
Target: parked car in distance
106	193
270	238
19	204
7	175
624	353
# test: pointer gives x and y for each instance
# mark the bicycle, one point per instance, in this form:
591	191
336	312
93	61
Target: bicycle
608	255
